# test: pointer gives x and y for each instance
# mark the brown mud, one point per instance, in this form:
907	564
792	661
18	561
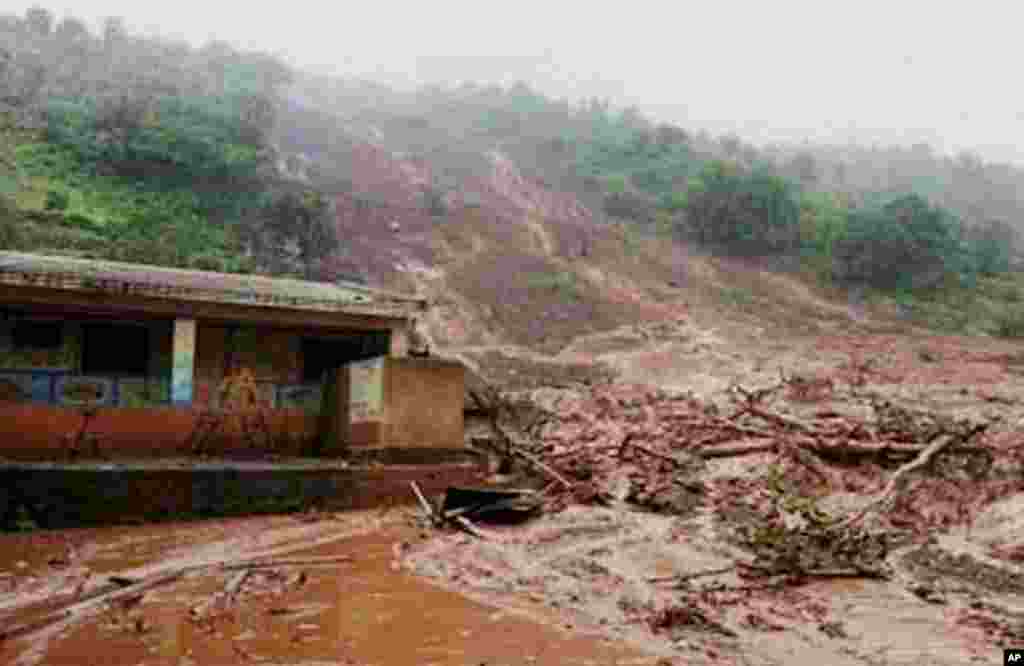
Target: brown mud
363	611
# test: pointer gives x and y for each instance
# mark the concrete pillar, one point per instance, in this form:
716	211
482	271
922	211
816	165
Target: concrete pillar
183	370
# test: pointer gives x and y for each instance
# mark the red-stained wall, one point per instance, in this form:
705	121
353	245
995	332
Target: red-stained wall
34	432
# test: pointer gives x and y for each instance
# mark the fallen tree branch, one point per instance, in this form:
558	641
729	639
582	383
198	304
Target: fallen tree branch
541	466
235	584
652	453
583	450
513	447
899	478
303	562
735	451
469	527
778	419
95	600
109	592
427	508
678	578
754	397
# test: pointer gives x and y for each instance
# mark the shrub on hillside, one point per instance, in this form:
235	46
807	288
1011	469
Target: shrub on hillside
56	200
628	206
9	231
991	245
1010	324
906	243
742	213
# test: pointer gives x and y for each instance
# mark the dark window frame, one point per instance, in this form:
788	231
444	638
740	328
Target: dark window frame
29	338
321	353
114	362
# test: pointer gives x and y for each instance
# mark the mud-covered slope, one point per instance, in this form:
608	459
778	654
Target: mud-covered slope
512	257
506	260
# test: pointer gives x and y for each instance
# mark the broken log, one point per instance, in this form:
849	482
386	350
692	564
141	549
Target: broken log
271	564
467	525
735	451
678	578
428	509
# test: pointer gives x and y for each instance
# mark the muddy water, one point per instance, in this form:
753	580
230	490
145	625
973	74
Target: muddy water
365	611
565	589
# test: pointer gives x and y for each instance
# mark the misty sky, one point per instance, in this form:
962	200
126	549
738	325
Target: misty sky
899	71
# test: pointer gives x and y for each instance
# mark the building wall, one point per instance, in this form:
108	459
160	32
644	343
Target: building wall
273	355
399	402
33	432
40	416
52	375
424	403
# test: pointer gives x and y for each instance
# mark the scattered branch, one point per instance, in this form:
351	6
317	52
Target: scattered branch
542	466
424	504
273	564
898	480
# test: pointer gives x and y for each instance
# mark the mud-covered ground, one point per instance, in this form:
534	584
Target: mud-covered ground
668	550
661	557
357	608
611	571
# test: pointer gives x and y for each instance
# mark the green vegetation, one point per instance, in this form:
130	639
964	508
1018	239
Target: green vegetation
906	243
746	212
145	150
737	297
564	283
1010	323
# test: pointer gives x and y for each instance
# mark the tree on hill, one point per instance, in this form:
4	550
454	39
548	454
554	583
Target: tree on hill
295	232
742	213
906	243
39	21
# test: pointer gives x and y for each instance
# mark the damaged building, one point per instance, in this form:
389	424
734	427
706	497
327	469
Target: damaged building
141	356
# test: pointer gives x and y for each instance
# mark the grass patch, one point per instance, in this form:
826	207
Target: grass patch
993	306
62	207
737	297
1010	324
564	283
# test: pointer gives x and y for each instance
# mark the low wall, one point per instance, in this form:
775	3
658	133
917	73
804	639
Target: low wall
77	495
399	402
424	402
44	432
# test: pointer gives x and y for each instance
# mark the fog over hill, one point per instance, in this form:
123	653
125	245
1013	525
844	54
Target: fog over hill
555	183
870	73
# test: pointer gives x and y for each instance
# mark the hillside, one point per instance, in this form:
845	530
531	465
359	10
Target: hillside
770	397
539	228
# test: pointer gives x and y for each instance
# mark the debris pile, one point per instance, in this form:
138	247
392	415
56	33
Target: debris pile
711	521
650	447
